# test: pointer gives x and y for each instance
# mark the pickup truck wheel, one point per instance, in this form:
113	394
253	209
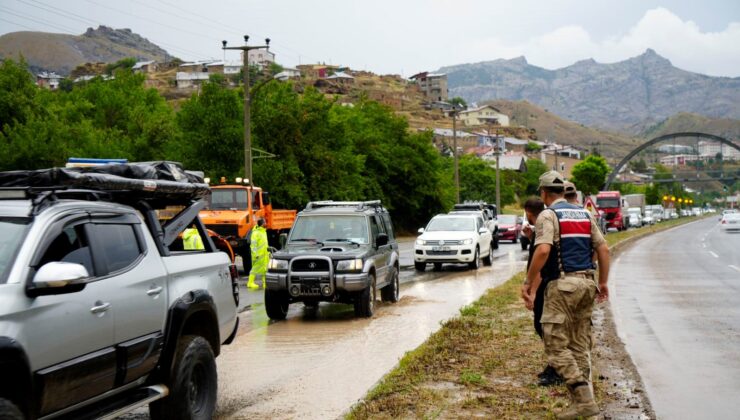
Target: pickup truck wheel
193	384
473	265
390	292
420	266
365	303
9	411
276	304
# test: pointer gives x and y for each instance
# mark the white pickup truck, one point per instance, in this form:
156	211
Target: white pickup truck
102	310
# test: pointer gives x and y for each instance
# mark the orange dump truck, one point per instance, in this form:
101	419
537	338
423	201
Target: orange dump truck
234	209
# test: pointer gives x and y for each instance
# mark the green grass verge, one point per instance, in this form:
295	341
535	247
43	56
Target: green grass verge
480	363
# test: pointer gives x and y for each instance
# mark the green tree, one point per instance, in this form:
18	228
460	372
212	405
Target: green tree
533	147
590	174
17	94
535	168
458	102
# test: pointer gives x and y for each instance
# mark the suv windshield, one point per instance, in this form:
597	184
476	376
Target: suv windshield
228	199
330	228
14	230
458	224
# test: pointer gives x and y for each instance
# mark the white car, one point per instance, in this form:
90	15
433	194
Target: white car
730	222
454	238
648	218
635	217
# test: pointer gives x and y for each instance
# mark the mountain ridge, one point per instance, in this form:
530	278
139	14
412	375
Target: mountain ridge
613	96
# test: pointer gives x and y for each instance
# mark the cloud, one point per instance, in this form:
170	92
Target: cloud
682	42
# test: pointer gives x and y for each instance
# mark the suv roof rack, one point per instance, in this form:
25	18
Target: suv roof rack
359	205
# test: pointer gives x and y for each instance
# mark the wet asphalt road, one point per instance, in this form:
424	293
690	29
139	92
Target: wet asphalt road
676	297
317	364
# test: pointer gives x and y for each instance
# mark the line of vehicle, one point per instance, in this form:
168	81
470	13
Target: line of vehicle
736	268
713	254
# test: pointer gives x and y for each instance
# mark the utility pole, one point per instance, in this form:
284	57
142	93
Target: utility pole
247	102
454	153
497	153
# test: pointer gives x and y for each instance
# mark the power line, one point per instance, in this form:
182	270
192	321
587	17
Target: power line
40	21
17	24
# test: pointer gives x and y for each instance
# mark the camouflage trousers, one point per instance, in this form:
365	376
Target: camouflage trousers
566	323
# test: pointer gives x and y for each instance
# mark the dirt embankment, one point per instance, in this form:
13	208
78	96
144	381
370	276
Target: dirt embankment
483	364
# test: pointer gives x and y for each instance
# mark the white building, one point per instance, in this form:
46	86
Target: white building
48	80
709	150
224	67
144	67
187	80
675	160
260	57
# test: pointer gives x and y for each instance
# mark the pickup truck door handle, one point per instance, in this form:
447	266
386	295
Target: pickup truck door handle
154	291
100	307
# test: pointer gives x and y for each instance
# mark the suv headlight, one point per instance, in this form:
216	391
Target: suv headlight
421	242
277	264
350	265
467	241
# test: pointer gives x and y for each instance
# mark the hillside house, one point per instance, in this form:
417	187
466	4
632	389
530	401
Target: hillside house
562	164
288	73
432	85
317	71
224	67
484	115
260	57
194	67
341	78
48	80
676	160
186	80
145	67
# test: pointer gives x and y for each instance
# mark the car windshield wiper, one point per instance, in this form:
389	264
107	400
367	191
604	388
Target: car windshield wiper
307	240
343	240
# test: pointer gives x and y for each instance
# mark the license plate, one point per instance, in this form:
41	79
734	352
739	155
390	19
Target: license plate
440	248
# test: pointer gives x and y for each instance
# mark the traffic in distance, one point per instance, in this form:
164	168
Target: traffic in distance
128	272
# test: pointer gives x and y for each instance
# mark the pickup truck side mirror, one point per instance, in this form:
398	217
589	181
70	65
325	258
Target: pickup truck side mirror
421	230
382	240
483	231
282	240
57	278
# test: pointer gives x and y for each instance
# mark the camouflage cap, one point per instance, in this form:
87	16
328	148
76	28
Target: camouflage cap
551	179
570	188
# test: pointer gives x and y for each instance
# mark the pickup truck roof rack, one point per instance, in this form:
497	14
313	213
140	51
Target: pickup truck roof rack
158	183
359	205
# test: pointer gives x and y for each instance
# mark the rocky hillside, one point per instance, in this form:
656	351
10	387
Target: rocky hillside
550	126
626	96
62	53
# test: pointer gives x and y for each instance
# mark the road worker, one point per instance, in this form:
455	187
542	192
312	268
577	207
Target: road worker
565	239
260	254
191	240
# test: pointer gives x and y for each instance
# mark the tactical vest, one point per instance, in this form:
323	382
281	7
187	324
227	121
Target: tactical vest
574	250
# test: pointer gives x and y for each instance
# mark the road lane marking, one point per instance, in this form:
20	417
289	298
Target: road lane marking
704	245
734	267
713	254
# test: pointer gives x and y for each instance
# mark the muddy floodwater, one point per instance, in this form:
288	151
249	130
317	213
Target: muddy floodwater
317	364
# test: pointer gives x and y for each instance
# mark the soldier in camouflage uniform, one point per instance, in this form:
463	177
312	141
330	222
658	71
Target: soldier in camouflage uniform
566	237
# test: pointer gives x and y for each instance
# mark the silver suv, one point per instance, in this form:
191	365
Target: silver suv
101	309
338	251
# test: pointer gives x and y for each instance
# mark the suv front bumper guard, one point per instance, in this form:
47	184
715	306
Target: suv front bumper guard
306	283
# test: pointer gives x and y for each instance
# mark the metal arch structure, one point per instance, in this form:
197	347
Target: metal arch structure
660	139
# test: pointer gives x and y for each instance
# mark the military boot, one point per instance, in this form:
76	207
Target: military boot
583	404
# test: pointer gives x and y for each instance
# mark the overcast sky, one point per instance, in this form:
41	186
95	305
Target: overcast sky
407	36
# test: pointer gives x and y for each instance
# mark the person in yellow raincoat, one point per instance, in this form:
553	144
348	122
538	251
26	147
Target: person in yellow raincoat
191	240
260	255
